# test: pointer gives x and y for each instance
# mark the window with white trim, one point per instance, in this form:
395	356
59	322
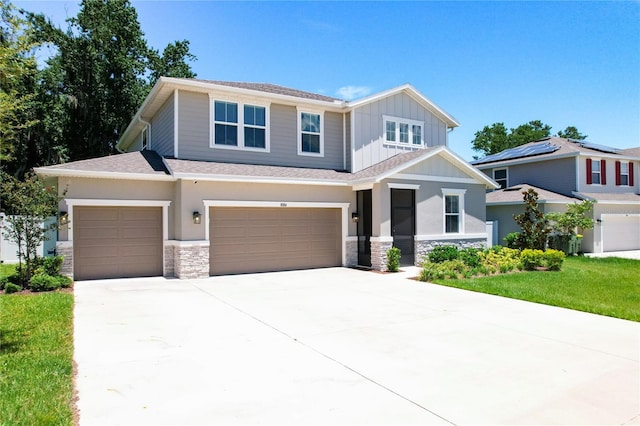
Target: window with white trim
240	126
500	176
402	131
453	210
225	118
310	134
595	172
624	173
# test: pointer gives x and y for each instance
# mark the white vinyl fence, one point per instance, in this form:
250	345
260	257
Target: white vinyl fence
9	249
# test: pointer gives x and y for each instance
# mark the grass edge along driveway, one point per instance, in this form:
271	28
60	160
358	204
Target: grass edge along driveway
604	286
36	358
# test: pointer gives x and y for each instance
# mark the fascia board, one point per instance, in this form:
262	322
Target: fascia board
450	156
586	197
44	171
515	162
521	203
447	118
287	99
258	179
609	156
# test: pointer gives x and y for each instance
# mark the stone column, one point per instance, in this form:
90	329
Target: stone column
379	247
191	259
65	249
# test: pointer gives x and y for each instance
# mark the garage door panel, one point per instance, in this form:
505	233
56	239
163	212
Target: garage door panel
272	239
621	232
112	242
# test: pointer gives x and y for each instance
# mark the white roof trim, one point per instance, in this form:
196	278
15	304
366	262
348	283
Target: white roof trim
45	171
258	179
448	119
449	155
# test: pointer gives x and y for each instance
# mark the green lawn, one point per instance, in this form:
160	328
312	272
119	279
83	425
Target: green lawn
606	286
36	352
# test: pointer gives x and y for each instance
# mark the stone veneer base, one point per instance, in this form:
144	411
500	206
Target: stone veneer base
191	261
423	248
379	254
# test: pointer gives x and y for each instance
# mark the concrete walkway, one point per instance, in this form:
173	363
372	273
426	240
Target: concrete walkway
344	347
629	254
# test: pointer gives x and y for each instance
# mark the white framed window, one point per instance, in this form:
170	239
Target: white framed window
453	210
240	126
501	177
595	172
402	131
624	174
310	133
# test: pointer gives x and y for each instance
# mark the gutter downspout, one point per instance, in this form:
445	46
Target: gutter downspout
446	137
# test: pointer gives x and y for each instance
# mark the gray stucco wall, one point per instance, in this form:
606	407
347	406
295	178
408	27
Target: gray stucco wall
194	137
368	146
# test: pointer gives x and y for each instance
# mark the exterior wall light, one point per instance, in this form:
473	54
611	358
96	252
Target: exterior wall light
197	217
64	218
355	217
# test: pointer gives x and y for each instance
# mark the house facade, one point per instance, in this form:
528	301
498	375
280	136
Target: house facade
565	171
223	177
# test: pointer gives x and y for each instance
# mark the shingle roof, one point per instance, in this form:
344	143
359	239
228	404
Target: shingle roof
632	152
513	194
609	196
273	88
138	162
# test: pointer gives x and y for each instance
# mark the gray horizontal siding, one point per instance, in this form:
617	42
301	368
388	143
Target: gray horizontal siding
369	147
162	129
553	175
194	121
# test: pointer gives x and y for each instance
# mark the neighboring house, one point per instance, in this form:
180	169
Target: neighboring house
220	177
564	171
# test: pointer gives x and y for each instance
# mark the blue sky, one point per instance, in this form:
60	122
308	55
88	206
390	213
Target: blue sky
565	63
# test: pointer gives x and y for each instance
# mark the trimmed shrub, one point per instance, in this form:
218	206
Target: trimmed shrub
43	282
511	240
51	265
448	269
393	259
10	287
553	259
532	258
470	257
441	254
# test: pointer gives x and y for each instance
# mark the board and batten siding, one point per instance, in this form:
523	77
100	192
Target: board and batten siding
193	137
369	147
162	129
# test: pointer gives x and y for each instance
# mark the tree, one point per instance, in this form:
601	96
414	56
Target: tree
496	138
172	63
535	227
29	204
576	217
572	133
17	63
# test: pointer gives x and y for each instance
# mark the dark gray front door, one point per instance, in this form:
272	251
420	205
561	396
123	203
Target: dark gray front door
403	223
364	227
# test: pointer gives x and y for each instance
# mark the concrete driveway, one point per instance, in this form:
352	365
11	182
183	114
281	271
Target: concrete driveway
343	347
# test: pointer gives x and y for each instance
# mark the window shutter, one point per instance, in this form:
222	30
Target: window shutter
617	173
603	172
630	173
589	180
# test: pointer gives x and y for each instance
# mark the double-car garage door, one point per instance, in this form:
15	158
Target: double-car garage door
114	242
273	239
620	232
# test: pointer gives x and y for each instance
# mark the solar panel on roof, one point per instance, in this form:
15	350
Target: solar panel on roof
601	148
519	152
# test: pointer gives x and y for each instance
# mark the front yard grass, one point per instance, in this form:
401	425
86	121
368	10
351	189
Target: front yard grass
36	353
605	286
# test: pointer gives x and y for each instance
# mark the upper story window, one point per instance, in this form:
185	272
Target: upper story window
310	134
596	172
453	210
500	176
238	126
402	131
624	173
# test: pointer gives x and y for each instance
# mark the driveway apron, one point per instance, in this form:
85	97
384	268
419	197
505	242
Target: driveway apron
340	346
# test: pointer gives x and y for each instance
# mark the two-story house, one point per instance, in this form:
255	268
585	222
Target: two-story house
221	177
565	171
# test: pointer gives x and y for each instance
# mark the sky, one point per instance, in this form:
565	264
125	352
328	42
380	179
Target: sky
566	63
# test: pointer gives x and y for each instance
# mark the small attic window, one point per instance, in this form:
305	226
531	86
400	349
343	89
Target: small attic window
145	139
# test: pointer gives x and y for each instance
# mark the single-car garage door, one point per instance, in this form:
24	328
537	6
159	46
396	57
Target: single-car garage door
620	232
247	240
117	242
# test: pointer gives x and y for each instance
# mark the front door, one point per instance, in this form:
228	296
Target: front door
364	227
403	223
